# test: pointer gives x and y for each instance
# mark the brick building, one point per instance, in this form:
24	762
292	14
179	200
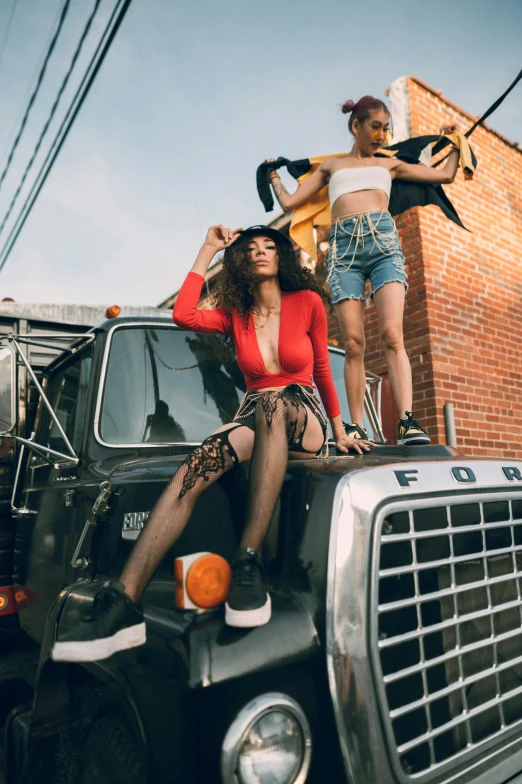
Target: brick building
463	318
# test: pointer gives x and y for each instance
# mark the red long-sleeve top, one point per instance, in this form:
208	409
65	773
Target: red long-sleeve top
303	340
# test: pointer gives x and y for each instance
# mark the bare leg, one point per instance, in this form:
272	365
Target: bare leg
205	465
278	422
389	304
350	313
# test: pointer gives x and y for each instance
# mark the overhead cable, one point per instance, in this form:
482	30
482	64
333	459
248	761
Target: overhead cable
97	59
7	30
44	130
36	90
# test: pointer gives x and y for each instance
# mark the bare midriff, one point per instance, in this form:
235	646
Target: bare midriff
359	201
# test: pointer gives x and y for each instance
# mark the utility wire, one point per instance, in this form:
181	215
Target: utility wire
117	17
39	81
27	92
7	30
54	107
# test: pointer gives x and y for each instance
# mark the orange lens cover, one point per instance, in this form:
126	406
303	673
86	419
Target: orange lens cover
208	581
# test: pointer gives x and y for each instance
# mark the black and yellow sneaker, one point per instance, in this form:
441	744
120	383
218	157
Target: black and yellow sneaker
356	431
248	602
410	433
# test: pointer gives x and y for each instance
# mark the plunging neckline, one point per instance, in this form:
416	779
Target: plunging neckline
252	323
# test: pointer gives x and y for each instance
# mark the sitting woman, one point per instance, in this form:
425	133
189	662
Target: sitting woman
272	308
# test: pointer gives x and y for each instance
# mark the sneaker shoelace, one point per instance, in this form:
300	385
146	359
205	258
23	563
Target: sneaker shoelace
103	602
410	421
244	574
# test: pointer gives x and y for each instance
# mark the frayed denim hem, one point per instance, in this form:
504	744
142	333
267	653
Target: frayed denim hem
349	296
391	280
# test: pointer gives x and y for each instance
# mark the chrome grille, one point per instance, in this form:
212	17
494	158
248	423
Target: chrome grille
447	631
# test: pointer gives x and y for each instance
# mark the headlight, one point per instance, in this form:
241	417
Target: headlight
269	742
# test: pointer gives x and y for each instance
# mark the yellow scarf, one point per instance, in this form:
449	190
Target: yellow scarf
316	212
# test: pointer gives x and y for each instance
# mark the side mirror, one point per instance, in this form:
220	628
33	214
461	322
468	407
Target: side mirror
7	390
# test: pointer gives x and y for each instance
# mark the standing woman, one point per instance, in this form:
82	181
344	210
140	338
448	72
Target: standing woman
273	310
364	243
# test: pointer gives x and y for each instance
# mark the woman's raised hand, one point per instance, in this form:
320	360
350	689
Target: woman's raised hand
219	238
444	129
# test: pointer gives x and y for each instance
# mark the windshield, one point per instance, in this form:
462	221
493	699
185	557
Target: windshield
164	385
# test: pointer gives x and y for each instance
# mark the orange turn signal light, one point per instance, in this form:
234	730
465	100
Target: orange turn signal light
202	580
113	311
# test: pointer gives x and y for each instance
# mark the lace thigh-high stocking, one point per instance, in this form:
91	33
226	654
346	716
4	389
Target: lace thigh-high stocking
280	421
205	465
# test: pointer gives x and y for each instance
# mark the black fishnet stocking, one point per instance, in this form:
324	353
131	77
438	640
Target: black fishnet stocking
205	465
280	423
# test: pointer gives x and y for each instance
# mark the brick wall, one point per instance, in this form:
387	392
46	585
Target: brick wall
463	318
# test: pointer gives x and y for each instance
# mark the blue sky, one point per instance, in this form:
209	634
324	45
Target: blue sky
191	97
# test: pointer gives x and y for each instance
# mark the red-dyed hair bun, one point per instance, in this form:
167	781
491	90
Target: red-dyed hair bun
348	106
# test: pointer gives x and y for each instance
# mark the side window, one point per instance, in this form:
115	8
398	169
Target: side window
67	394
337	365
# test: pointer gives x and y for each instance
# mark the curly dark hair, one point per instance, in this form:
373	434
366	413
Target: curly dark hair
238	279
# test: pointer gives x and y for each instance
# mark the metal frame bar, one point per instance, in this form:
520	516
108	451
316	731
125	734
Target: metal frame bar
43	396
33	342
44	450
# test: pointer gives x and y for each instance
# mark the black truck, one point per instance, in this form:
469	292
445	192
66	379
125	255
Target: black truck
394	651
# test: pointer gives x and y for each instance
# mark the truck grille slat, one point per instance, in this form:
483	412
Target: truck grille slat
447	626
446	592
451	623
450	655
454	687
412	568
457	721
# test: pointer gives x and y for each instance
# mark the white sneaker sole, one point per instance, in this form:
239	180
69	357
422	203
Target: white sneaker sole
245	619
95	650
416	441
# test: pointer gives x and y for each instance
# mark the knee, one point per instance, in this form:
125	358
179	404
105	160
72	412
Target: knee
270	406
354	346
392	338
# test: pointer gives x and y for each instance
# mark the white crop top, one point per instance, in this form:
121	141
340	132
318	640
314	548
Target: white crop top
359	178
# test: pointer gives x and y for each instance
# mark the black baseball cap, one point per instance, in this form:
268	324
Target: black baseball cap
267	231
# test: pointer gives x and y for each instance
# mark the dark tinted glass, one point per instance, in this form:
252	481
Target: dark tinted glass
166	386
68	397
6	389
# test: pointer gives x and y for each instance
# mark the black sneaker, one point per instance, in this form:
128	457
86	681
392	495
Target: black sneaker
113	623
356	431
410	433
248	602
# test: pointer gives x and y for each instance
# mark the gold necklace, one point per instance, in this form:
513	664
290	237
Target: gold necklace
265	315
270	309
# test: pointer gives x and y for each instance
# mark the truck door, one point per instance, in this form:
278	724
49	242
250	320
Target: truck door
47	530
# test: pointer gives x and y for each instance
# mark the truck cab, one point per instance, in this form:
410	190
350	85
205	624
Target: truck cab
393	651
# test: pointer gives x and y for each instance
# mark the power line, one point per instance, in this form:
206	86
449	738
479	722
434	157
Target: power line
39	81
27	93
7	30
109	33
63	85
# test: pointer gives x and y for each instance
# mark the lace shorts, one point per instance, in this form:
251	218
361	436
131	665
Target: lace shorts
293	393
364	245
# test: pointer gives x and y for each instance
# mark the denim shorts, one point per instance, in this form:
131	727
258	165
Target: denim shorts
364	245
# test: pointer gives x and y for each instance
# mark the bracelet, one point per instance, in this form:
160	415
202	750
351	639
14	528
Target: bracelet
275	175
